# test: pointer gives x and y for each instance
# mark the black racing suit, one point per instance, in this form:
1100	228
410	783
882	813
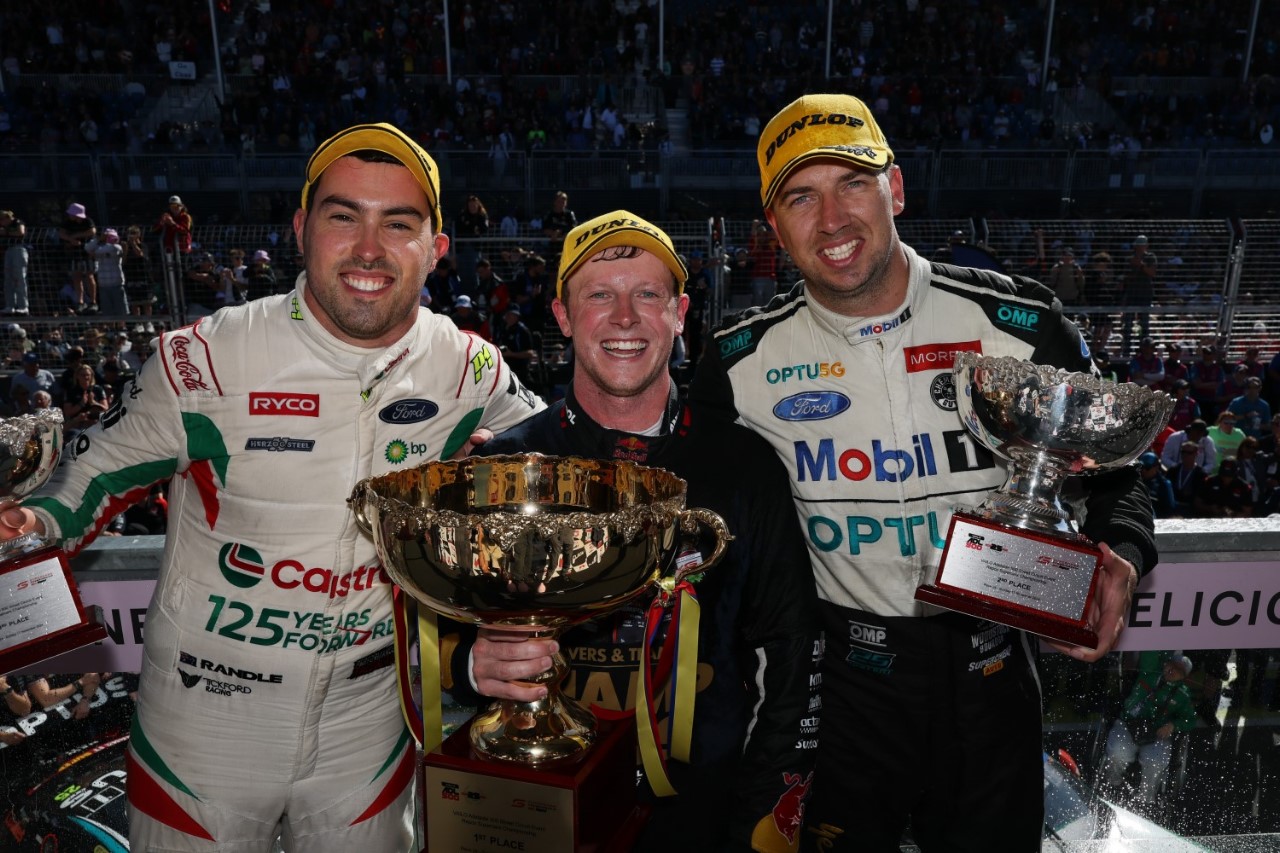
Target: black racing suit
930	719
756	711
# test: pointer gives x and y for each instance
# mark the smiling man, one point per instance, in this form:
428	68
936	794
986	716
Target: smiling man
929	718
620	300
267	704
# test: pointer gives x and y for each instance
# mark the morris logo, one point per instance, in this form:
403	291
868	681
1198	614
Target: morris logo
812	406
241	565
408	412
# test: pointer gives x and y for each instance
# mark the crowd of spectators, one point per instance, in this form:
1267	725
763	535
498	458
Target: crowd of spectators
934	73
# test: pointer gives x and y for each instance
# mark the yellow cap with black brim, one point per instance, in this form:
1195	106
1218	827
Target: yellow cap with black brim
619	228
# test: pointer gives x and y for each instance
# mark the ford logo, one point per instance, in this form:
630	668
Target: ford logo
408	412
811	406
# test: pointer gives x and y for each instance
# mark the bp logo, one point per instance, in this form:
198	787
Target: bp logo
241	565
397	452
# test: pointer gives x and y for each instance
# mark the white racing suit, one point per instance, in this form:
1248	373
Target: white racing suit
268	697
929	721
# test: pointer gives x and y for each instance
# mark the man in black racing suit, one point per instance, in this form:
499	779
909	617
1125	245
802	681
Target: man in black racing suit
931	718
620	300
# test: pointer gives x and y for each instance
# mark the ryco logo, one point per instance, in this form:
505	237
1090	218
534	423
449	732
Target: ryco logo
937	356
244	567
885	325
811	406
817	370
275	403
408	412
1018	318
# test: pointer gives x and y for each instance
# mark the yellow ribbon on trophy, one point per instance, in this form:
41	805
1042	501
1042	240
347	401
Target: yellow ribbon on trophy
681	644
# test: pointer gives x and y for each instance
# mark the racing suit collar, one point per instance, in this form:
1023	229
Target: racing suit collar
615	444
369	365
861	330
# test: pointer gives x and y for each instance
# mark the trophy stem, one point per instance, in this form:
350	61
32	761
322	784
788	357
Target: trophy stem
556	728
1029	497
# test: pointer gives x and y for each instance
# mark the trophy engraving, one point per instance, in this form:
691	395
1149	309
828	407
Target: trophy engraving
40	610
1017	558
531	544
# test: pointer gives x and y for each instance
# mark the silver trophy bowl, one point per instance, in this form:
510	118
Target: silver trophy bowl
30	449
1050	424
531	544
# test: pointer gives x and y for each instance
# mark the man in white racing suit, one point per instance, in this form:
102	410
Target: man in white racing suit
931	719
268	704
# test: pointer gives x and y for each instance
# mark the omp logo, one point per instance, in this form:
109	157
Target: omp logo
811	406
408	412
241	565
937	356
888	464
860	632
885	325
738	342
1017	317
277	403
816	370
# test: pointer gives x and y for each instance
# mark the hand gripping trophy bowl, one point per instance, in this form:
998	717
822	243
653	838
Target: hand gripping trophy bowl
1017	557
531	544
40	610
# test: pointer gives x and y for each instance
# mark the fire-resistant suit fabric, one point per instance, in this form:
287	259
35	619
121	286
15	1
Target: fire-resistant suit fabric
920	708
268	697
756	711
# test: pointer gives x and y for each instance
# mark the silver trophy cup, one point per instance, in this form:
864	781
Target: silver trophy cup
1017	558
30	448
531	544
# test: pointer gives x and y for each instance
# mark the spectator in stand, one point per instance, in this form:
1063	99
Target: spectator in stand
1146	368
1252	362
1253	412
174	228
1156	709
1226	438
1137	291
235	280
139	288
528	290
1105	368
1175	365
1206	451
202	285
699	289
516	344
13	236
19	402
1270	443
490	291
108	257
1225	495
468	318
259	276
1187	478
1236	385
556	223
1067	278
762	250
87	401
33	377
1100	286
1207	377
76	230
1158	485
471	226
150	517
443	285
52	348
16	705
1185	407
1252	467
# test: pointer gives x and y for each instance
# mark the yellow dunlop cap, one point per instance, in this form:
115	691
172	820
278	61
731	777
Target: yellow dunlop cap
389	140
619	228
812	126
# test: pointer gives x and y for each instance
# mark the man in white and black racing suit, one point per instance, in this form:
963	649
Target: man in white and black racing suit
930	719
267	703
755	726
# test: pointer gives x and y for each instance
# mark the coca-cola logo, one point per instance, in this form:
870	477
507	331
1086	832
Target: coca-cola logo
192	378
408	411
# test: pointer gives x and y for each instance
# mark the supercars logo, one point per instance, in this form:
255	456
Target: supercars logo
242	566
278	403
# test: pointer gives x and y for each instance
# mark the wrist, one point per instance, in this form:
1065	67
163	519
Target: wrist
79	686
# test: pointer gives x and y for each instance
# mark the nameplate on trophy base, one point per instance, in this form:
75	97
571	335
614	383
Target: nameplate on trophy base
40	610
1036	582
480	805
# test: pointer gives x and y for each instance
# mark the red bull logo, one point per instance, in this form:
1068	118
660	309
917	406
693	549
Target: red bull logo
788	813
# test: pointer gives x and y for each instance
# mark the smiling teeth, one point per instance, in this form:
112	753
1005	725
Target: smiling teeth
365	284
626	346
839	253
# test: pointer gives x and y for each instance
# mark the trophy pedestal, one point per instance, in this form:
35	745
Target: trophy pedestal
474	804
1033	581
41	614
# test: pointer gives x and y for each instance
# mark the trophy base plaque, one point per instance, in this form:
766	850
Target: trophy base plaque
477	805
1036	582
41	614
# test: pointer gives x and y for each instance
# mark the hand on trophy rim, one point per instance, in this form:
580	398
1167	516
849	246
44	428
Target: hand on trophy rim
1110	609
15	520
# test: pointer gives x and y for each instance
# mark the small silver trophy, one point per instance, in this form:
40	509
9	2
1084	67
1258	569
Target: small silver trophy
1017	558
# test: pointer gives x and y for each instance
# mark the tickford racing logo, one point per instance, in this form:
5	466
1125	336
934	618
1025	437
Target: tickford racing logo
244	568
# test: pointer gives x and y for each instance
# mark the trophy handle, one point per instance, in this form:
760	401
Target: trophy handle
690	521
359	495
